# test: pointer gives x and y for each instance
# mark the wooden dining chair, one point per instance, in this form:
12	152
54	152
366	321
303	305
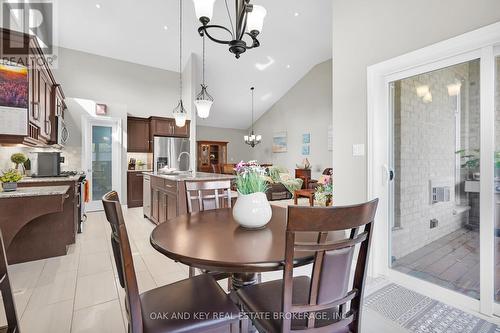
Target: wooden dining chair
7	296
151	311
207	195
318	304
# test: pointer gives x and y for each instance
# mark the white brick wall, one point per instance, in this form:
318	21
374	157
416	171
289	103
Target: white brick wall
425	150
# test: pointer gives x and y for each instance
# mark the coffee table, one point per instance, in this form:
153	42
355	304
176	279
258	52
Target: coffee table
305	193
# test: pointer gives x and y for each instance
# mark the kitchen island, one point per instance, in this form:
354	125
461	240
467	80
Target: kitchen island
168	193
33	224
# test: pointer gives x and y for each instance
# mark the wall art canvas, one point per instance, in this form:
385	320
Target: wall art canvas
306	138
280	144
306	150
13	86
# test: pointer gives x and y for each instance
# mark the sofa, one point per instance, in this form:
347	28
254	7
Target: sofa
276	189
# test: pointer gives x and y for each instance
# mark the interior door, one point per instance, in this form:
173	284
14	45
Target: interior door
102	159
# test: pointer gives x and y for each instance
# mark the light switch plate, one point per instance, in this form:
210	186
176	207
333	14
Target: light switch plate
358	149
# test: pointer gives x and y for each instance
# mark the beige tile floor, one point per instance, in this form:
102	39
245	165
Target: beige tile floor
80	292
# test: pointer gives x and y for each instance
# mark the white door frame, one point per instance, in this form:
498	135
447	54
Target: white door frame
476	44
95	204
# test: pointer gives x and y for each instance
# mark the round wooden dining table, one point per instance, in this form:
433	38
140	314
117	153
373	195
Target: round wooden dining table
212	240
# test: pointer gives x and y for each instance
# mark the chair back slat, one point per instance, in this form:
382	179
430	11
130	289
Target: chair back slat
123	258
330	289
207	195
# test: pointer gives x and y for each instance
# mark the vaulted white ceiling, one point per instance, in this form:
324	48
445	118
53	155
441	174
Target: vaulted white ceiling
296	36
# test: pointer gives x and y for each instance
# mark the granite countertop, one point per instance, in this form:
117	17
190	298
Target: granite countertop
50	179
192	176
23	192
138	170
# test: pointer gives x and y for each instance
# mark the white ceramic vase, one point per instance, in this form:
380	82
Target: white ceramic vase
252	211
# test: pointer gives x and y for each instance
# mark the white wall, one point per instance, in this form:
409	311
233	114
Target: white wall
366	32
305	108
237	150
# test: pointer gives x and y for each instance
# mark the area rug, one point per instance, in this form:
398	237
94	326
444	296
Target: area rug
421	314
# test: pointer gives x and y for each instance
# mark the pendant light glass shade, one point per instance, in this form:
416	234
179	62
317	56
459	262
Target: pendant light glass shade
203	100
203	106
204	8
180	115
255	19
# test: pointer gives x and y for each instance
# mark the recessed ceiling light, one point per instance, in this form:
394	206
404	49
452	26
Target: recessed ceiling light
165	27
288	66
296	14
98	6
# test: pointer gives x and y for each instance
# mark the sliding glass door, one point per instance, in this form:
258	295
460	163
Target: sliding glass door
435	153
434	163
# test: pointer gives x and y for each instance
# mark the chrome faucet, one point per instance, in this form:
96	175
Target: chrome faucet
189	159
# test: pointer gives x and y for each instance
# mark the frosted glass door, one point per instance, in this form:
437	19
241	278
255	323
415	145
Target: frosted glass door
102	161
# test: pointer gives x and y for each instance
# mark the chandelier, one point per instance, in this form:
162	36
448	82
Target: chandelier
252	140
203	100
249	20
180	113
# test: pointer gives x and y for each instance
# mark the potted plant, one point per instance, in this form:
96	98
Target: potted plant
18	159
251	210
469	161
324	192
9	180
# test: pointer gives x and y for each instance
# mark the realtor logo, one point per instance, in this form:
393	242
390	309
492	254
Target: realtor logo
35	18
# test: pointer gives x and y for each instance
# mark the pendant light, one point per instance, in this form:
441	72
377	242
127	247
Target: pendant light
252	140
180	114
203	100
248	19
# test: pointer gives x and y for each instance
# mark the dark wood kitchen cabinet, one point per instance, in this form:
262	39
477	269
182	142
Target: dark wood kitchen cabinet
166	127
134	189
165	203
42	109
138	137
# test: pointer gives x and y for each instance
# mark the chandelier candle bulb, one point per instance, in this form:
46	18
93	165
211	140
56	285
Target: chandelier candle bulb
255	20
204	9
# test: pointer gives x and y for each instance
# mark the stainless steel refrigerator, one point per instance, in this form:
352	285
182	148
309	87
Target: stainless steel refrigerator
171	152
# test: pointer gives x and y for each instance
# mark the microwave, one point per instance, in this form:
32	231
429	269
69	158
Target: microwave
46	164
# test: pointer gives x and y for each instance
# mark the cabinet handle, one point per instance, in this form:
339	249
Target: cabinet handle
36	111
48	129
139	175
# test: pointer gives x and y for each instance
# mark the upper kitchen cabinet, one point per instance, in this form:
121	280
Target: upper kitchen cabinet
32	115
166	127
138	135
